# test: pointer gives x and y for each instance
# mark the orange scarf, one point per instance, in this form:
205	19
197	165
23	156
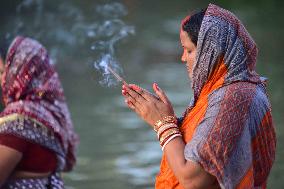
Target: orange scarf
166	178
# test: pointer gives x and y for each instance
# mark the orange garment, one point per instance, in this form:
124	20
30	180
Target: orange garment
166	178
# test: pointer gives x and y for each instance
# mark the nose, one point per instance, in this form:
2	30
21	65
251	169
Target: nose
183	57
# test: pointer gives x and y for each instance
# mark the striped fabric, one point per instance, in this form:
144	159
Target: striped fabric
52	182
228	127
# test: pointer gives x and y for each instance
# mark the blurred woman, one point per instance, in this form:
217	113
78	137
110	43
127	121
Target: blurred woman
226	137
37	140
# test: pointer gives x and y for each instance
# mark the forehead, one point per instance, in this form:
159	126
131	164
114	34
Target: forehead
185	40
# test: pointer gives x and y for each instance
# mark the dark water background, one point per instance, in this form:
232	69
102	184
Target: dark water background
117	150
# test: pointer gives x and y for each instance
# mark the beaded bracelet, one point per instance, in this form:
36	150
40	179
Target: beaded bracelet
165	120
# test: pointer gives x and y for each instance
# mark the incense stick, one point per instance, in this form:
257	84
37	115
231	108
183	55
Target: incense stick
119	78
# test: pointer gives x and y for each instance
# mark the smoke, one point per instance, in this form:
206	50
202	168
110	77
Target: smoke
112	30
66	28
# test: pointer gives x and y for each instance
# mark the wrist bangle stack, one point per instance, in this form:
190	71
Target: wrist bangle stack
167	130
166	119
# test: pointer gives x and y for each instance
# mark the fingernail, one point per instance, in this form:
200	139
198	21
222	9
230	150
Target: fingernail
156	86
135	87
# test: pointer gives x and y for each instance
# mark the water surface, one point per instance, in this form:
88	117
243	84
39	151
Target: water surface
118	150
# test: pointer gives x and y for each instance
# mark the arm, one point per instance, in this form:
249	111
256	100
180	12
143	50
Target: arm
190	174
2	67
9	158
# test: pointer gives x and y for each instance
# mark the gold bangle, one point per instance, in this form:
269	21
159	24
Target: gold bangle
170	118
169	139
169	136
157	125
165	127
168	133
166	119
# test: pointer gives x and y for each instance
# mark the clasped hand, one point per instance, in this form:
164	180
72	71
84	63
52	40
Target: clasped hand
149	107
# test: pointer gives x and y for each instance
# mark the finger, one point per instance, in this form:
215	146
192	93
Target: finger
133	107
126	94
129	104
137	89
134	94
150	96
160	93
129	101
144	93
132	99
123	92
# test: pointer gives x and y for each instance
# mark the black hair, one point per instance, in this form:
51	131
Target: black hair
192	25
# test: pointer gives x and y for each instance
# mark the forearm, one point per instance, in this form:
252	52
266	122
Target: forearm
8	160
174	151
190	174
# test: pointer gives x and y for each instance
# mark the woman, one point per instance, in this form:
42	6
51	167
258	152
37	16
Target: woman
37	140
226	137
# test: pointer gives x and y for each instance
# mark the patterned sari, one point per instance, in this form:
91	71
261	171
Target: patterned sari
228	127
35	109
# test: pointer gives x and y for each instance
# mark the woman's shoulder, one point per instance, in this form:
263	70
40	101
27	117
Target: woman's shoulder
239	93
239	90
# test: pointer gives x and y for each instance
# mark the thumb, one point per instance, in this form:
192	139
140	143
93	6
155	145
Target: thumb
160	93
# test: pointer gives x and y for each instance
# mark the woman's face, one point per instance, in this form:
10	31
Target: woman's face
189	52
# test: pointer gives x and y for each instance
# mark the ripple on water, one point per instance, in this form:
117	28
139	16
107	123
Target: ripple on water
140	166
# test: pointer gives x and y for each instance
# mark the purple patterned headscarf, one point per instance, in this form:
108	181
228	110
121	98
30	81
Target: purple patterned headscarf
223	38
31	88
